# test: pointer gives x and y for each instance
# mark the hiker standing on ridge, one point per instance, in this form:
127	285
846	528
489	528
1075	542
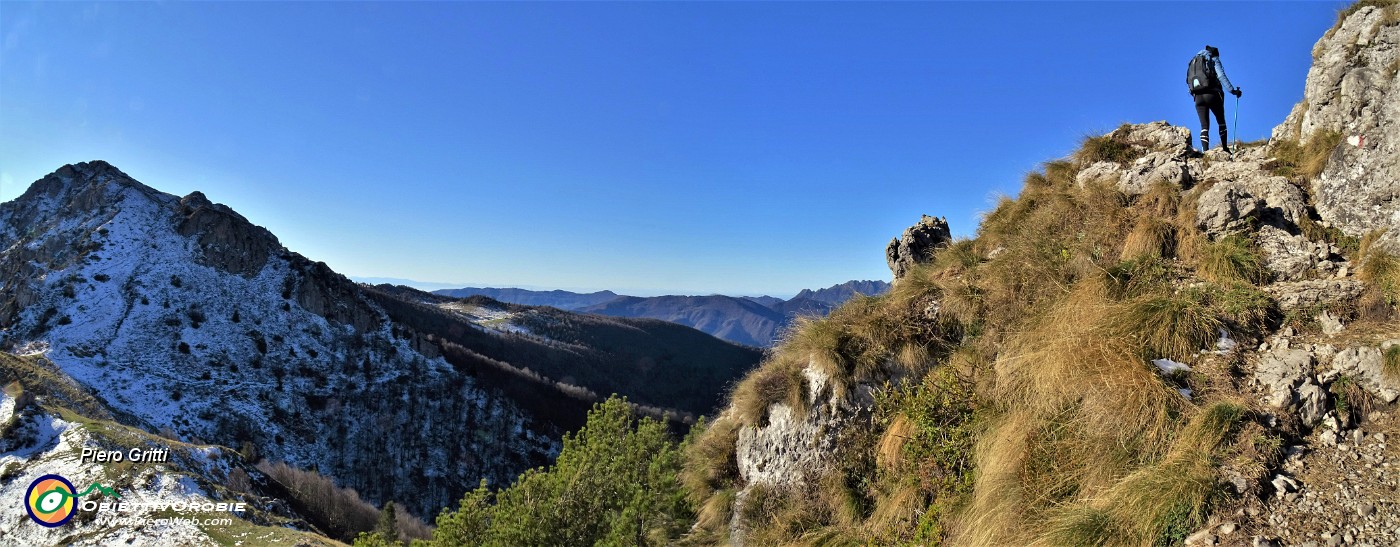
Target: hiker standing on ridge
1204	77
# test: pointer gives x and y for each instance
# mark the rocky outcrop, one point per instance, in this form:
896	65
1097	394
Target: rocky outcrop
1161	150
322	291
1315	293
226	240
1363	364
797	446
1227	207
917	244
1352	90
1286	376
1294	257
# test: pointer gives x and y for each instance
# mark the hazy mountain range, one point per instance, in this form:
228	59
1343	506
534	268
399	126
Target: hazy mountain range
750	320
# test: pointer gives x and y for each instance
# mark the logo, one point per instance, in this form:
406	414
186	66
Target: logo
49	500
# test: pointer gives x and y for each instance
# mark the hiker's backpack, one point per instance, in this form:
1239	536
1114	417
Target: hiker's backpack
1200	74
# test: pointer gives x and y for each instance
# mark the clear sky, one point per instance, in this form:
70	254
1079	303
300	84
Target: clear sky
740	148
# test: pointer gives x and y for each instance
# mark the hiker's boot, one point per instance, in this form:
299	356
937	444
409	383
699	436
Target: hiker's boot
1225	142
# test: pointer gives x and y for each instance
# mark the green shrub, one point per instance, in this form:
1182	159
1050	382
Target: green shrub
615	482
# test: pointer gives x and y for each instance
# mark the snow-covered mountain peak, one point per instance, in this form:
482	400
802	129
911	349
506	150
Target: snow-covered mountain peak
184	316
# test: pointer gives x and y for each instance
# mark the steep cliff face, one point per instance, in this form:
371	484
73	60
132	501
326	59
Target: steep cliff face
1144	347
1353	94
185	317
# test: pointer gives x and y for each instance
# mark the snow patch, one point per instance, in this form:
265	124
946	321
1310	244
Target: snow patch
1169	367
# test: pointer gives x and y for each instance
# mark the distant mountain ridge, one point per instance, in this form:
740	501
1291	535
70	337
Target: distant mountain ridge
755	321
735	319
563	300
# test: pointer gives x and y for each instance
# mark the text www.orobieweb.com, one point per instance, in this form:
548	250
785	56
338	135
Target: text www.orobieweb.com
152	521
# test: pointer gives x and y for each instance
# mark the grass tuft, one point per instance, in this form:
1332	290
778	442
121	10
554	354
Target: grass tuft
1232	259
766	385
1152	237
1170	325
1110	148
1305	160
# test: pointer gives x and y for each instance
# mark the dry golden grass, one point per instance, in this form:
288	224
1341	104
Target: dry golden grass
896	512
1111	147
1087	420
1380	302
1151	237
710	462
891	449
1167	325
712	520
774	382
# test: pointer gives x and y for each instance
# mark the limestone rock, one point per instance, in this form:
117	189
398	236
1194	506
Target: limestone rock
1314	293
1312	403
1280	372
1101	171
1330	324
1158	136
1294	257
1162	151
1350	91
1226	207
1363	364
1284	202
1153	168
917	244
795	447
1202	538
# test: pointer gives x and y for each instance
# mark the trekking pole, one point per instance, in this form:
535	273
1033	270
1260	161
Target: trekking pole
1236	129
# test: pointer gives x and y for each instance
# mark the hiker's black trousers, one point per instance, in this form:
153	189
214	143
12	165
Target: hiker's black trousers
1206	103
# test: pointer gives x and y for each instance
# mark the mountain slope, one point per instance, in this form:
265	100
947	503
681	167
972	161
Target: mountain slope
181	316
730	318
1144	347
661	365
48	422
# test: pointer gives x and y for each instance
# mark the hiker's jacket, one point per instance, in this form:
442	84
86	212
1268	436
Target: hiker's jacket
1220	77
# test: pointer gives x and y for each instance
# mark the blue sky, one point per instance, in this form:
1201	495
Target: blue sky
740	148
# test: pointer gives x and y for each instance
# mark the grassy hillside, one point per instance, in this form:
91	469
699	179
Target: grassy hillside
1017	402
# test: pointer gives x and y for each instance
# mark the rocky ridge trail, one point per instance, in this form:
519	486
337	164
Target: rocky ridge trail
1313	459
